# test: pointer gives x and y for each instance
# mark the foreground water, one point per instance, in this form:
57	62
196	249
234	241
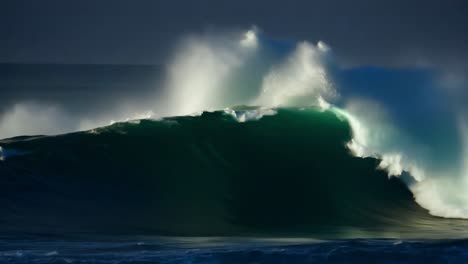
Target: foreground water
230	250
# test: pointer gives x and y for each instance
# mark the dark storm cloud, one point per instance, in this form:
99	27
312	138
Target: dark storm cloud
142	31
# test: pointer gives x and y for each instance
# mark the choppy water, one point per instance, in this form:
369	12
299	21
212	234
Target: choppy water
230	250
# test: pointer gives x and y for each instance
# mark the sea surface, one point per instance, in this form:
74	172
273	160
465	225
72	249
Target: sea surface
230	250
239	185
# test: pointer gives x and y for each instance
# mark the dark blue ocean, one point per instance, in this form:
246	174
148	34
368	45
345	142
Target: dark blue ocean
230	250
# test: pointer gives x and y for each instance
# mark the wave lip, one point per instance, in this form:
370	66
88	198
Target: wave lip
245	113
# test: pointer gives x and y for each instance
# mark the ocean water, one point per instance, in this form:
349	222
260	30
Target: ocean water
275	190
230	250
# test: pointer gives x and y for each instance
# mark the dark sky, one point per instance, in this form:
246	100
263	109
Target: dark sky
142	31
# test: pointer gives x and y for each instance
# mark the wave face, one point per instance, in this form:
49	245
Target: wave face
288	173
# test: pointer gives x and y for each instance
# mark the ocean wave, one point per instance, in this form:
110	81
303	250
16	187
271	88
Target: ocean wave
427	140
288	174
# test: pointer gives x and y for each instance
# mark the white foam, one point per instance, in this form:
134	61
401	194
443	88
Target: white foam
250	115
323	105
392	163
250	39
446	195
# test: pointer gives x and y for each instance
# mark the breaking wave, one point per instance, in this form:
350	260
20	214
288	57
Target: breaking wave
213	72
